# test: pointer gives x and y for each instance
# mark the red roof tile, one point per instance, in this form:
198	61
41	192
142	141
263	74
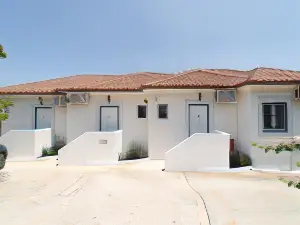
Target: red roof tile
201	78
131	82
274	75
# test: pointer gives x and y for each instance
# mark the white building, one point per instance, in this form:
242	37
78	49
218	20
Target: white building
160	111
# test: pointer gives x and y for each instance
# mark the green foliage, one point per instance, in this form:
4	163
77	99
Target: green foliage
290	183
2	52
238	159
289	147
50	151
4	104
45	152
135	151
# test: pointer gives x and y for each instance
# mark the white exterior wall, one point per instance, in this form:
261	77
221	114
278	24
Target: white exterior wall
284	161
26	143
92	148
164	134
200	152
21	116
250	99
60	123
86	118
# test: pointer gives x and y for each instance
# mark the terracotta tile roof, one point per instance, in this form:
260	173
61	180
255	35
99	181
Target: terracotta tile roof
201	78
52	86
221	78
86	82
274	75
130	82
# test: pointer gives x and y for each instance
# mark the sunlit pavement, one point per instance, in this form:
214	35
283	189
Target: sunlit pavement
141	193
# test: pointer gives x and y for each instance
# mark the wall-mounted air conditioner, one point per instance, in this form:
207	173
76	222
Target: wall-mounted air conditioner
297	93
226	96
61	101
79	99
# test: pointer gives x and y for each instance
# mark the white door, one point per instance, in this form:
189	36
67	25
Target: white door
109	118
198	119
43	117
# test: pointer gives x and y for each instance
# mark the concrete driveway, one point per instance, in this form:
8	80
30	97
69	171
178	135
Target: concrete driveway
247	198
39	193
140	193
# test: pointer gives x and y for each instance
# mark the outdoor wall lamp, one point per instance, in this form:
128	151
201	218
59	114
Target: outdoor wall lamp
156	100
200	96
108	99
41	100
146	101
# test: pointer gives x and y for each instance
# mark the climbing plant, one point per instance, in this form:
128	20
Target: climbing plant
289	147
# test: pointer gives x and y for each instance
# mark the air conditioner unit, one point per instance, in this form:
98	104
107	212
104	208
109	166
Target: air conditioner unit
226	96
79	99
297	93
61	101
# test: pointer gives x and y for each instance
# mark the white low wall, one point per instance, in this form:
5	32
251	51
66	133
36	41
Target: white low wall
284	161
203	151
92	148
22	144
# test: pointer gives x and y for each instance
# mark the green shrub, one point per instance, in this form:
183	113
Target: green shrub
135	151
45	151
245	160
238	159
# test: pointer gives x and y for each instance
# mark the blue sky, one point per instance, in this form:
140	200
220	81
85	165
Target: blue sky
48	39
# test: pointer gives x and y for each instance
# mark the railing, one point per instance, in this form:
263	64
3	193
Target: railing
201	151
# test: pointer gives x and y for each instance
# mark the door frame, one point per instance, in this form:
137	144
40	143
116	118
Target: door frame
109	106
35	114
189	116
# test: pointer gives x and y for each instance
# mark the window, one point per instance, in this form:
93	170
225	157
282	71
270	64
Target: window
274	117
142	111
163	111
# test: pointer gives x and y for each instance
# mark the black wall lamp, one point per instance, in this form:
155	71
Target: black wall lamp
108	99
41	100
200	96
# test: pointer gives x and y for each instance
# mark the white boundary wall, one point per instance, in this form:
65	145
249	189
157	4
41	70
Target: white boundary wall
92	148
284	161
203	151
22	144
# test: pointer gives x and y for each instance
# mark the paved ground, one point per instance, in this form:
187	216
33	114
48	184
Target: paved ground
249	198
140	193
40	193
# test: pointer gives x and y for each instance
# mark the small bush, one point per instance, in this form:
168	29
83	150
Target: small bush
45	151
135	151
234	160
238	159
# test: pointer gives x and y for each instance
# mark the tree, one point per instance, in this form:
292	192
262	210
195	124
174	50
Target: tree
4	102
2	52
4	106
